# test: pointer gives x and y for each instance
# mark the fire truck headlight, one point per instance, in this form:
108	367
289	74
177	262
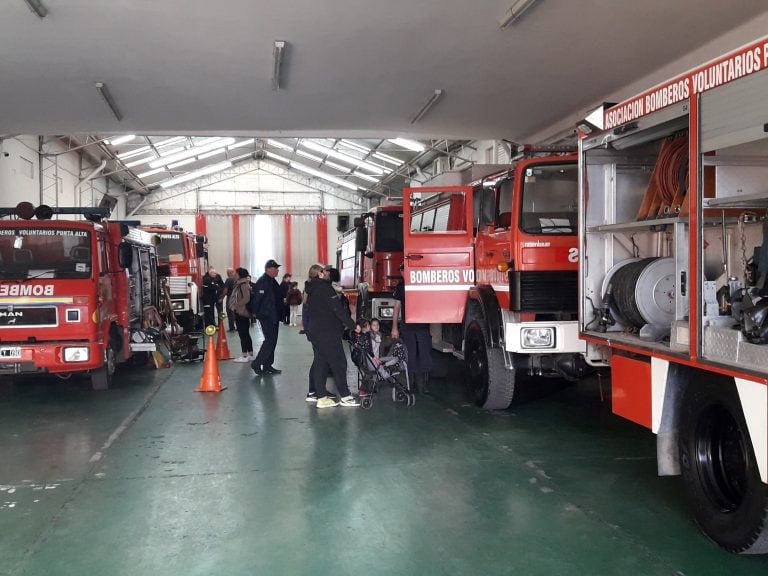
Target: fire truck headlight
386	312
76	354
537	337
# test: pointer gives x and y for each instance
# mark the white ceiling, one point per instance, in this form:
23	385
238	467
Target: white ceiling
354	68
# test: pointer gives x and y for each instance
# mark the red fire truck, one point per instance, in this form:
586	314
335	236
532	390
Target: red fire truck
182	258
75	296
493	268
674	241
369	258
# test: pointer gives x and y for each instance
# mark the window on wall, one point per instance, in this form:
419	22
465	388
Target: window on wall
27	167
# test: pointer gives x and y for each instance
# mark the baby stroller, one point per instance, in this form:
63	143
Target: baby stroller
392	369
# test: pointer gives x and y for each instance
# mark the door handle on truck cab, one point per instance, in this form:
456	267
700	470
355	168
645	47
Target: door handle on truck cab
413	257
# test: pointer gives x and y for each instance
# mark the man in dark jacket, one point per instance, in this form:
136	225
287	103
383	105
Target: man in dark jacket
329	318
267	306
213	288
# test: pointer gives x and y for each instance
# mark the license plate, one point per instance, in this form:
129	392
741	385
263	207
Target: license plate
13	353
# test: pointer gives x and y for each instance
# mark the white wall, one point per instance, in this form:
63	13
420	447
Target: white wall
51	179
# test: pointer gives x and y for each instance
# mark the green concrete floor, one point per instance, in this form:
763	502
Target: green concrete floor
152	478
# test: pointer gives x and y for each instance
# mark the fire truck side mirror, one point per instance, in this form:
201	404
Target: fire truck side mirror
200	242
125	255
361	238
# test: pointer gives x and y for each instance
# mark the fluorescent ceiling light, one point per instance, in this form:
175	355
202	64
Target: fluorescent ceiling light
37	7
134	152
341	156
356	146
197	174
150	172
427	106
339	167
170	141
388	158
323	175
408	144
278	144
121	139
277	64
306	154
181	163
212	153
277	157
365	176
515	12
106	95
242	143
200	141
139	162
194	151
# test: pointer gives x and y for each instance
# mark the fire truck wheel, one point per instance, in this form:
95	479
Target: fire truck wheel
491	384
722	480
102	378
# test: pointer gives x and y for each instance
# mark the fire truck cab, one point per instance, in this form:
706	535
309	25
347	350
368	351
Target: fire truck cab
674	243
182	258
493	268
75	296
369	257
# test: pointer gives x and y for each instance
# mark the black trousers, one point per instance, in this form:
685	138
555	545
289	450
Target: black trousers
418	342
210	314
244	331
329	357
266	356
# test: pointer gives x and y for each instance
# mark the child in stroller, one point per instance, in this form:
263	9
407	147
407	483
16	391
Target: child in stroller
373	370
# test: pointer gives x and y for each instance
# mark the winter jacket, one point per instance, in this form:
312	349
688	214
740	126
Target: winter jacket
240	297
293	298
324	306
266	300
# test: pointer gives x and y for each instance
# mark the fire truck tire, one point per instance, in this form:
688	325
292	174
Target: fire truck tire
721	477
101	379
492	386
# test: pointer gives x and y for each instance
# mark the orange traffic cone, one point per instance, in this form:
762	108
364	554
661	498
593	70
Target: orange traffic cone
210	381
222	348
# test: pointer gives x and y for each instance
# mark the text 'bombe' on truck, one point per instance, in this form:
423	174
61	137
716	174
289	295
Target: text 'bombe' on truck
76	296
674	297
369	257
492	267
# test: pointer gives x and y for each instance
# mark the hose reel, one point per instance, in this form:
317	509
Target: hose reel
640	294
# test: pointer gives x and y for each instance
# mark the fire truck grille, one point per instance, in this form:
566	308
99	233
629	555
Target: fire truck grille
17	317
544	291
179	284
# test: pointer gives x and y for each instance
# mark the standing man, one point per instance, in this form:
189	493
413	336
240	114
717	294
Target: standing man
267	306
213	289
416	338
285	285
229	286
328	320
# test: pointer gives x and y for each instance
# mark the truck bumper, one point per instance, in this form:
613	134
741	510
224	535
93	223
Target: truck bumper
51	357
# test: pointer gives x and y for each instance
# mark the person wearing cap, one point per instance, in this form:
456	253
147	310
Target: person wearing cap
267	306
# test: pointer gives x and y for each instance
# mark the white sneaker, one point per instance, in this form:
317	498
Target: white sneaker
350	401
242	359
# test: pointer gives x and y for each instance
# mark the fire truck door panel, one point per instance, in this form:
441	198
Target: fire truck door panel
438	253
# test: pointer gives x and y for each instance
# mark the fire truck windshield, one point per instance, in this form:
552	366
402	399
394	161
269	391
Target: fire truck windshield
170	248
549	199
389	231
61	253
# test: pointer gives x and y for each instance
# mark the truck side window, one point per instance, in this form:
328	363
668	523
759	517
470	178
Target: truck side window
504	204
